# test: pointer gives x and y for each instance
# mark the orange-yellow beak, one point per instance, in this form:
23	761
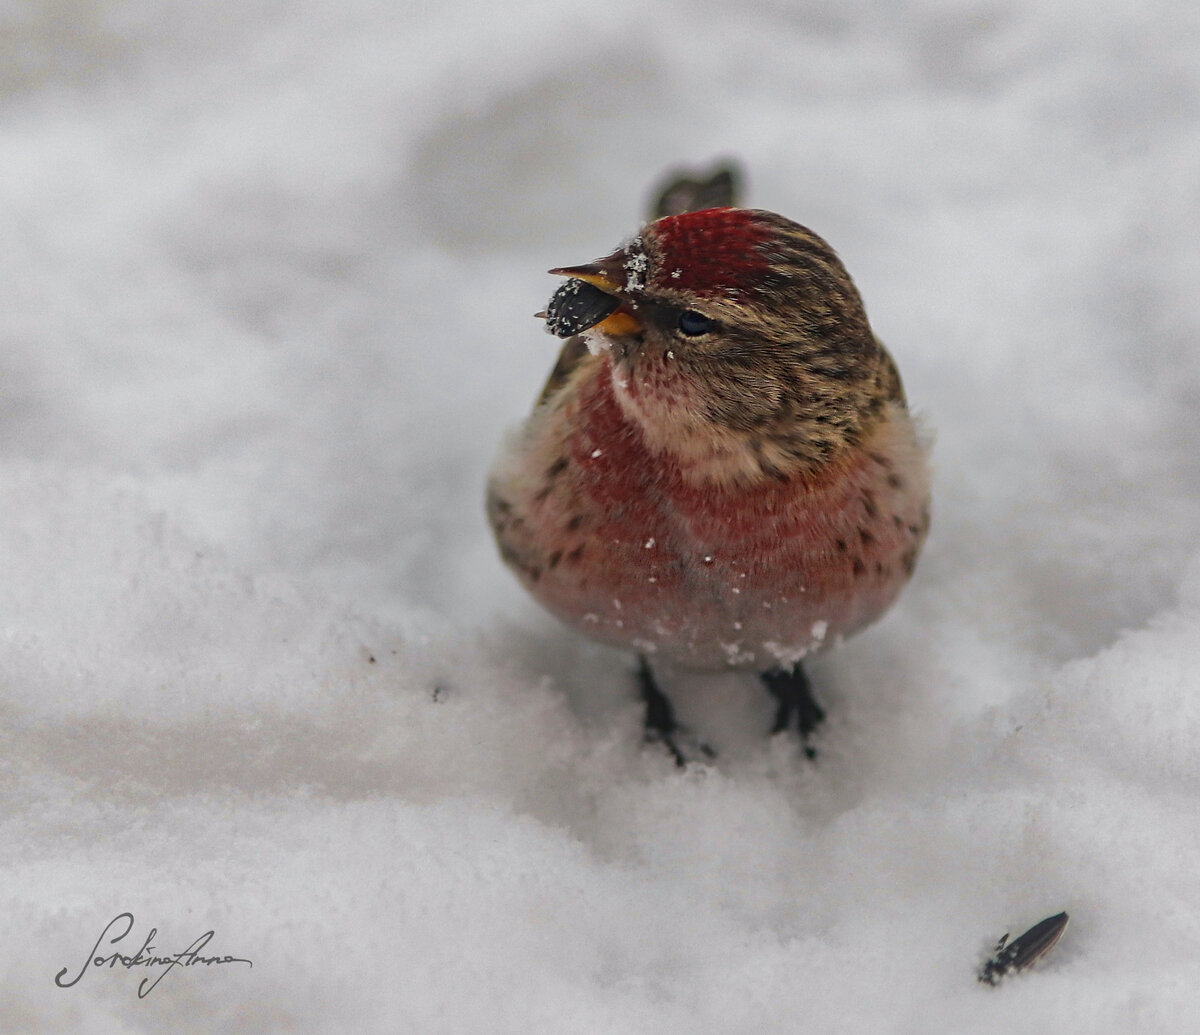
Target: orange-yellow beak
601	274
598	312
621	322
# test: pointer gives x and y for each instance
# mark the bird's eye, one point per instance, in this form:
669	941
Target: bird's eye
693	323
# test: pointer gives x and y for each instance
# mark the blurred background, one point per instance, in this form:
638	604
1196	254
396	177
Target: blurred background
267	277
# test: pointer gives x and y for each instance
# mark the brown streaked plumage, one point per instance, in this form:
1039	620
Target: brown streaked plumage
721	470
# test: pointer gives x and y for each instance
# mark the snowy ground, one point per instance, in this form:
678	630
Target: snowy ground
268	274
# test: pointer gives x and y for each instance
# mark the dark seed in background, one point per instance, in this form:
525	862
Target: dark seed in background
1024	951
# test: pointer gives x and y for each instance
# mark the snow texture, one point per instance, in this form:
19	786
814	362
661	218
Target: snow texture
269	273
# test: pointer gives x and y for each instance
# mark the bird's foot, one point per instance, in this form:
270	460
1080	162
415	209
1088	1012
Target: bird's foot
661	726
797	708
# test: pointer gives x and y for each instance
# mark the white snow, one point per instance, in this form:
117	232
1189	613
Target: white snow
268	281
635	266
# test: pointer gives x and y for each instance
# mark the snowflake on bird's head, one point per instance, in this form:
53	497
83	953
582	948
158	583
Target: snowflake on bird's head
716	251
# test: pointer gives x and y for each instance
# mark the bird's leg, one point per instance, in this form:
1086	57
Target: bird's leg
797	706
660	724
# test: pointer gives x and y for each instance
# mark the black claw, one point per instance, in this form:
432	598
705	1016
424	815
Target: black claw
660	716
661	726
797	707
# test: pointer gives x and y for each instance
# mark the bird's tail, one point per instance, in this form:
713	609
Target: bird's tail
683	190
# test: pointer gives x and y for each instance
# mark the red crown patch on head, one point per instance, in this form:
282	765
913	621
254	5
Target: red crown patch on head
712	252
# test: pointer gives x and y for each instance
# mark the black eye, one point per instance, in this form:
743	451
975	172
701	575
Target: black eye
693	323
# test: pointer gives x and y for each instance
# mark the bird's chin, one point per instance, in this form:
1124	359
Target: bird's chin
598	342
621	347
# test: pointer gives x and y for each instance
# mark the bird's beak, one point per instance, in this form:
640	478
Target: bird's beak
608	309
603	274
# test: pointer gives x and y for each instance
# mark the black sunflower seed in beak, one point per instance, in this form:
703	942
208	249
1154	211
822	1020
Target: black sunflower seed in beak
576	306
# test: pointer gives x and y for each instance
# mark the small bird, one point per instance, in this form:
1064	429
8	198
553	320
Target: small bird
721	470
